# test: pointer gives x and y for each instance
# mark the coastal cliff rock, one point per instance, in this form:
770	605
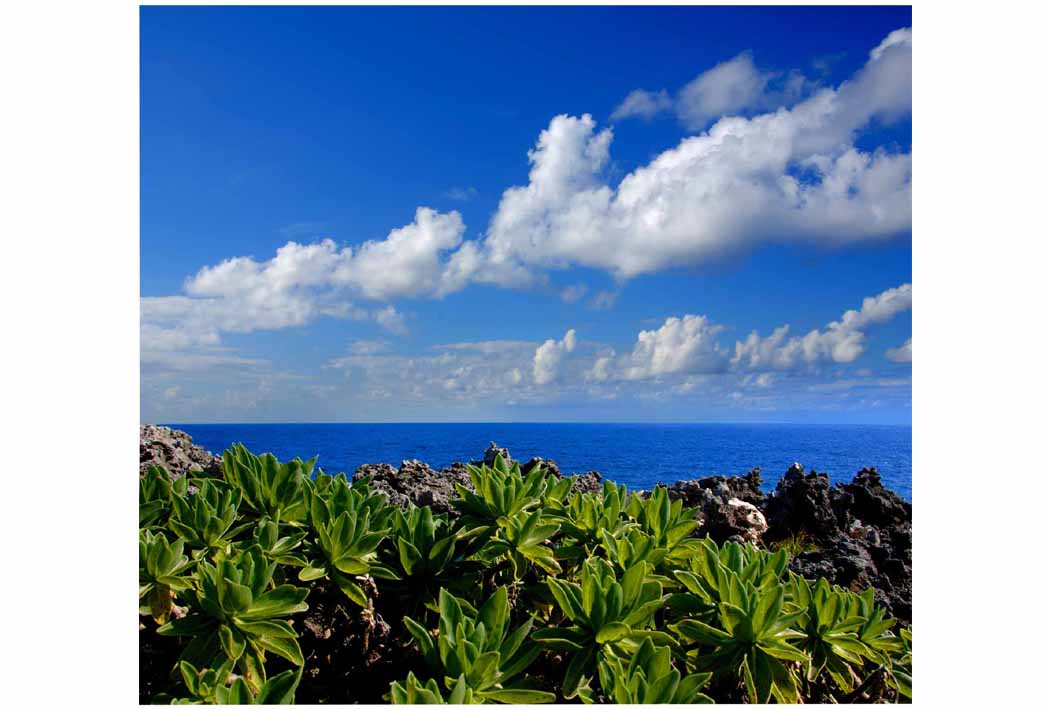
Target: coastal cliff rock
173	449
417	483
857	534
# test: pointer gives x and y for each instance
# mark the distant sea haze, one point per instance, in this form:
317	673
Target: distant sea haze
636	455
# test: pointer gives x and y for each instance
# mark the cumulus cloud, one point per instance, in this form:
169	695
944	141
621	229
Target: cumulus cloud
680	346
303	282
408	262
643	104
547	360
726	89
732	87
841	341
901	353
789	176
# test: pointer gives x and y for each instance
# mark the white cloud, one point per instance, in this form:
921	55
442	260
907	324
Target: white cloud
603	300
789	176
547	360
842	341
391	320
901	353
303	282
461	194
643	104
681	345
733	87
408	262
369	347
724	90
571	294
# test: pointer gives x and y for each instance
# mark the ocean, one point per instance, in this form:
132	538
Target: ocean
636	455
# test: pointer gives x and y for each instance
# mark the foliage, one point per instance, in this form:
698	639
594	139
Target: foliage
480	652
651	678
269	488
526	593
239	617
162	569
607	618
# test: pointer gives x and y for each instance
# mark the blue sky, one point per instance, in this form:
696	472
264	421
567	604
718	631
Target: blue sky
523	214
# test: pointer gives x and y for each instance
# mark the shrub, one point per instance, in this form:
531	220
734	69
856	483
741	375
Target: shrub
531	595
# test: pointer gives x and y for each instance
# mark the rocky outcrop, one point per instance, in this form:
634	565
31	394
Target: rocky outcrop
417	483
860	533
493	451
550	466
802	504
174	450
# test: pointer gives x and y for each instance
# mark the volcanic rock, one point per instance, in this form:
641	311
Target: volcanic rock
550	466
417	483
493	451
174	450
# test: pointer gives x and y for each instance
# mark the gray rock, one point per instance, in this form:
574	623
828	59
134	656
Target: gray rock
492	451
174	450
417	483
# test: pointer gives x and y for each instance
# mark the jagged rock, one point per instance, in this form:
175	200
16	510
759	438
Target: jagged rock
736	519
729	507
802	503
493	450
549	465
589	481
866	499
416	482
174	449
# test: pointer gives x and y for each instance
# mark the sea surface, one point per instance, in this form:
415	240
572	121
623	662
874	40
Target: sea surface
636	455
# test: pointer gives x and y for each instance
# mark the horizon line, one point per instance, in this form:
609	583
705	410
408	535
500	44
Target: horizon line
477	423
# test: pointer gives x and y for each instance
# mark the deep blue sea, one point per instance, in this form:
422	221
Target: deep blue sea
637	455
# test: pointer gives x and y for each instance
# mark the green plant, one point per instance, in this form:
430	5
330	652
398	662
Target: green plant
275	547
162	569
632	608
206	520
155	489
216	686
651	678
344	548
423	555
587	518
480	652
240	617
268	487
606	617
668	523
412	691
520	539
830	638
753	640
500	493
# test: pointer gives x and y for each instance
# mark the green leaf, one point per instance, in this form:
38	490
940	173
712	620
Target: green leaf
613	632
519	696
232	641
280	689
288	648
